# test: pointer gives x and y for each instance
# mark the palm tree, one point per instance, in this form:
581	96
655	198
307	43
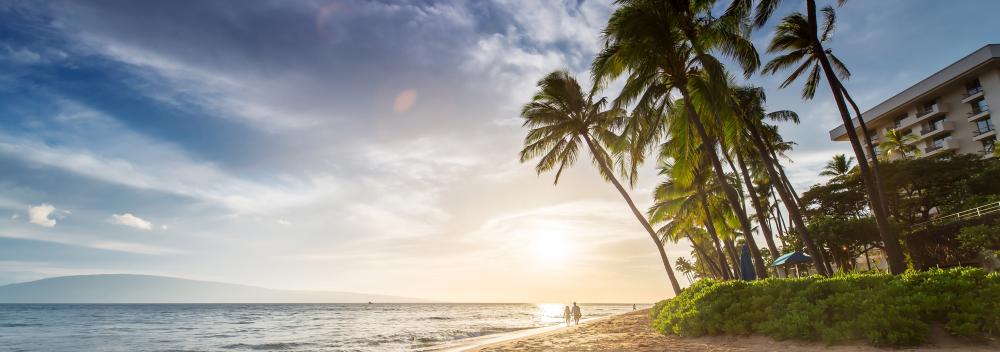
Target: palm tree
838	167
897	143
560	117
663	47
682	201
686	268
748	107
800	42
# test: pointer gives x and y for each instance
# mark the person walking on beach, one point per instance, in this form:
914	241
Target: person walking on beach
576	313
633	307
567	314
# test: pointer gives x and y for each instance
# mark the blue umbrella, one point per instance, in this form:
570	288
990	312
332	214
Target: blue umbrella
746	265
792	258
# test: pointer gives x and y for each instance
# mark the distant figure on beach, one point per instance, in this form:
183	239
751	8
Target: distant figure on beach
633	307
576	313
567	314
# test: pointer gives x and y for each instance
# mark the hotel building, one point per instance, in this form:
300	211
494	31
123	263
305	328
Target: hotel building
948	111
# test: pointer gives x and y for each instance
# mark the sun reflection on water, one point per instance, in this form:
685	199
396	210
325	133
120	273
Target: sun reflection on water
549	313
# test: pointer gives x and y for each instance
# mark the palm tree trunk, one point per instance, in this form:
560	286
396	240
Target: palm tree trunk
778	226
794	213
710	227
758	208
708	145
779	220
739	187
868	143
731	251
635	211
712	265
783	182
893	250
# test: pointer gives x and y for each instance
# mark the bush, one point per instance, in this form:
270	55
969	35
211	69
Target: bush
882	309
980	237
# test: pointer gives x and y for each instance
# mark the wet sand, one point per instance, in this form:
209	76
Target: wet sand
632	332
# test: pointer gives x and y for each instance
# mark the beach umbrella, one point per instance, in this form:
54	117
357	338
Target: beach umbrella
746	265
792	258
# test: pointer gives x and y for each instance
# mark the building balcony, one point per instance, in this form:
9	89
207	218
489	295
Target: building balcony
972	94
923	114
950	144
932	131
977	135
978	114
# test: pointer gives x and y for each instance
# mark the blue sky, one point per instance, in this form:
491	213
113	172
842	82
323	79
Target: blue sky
355	145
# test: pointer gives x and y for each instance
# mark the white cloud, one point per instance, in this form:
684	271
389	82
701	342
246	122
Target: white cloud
89	241
15	216
284	222
39	215
130	220
164	227
131	159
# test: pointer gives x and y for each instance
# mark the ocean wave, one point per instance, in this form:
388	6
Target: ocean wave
456	335
17	325
266	346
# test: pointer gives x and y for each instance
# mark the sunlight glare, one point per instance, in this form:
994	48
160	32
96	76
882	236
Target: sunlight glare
551	247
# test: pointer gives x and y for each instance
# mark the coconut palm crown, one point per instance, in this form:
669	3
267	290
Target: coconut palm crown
560	118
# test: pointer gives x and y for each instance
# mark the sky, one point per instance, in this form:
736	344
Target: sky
359	146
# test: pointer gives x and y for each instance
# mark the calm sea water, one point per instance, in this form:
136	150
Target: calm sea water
257	327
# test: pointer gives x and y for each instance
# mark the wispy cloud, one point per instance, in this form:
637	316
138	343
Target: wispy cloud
130	220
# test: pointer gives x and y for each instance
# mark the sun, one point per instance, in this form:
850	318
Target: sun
552	247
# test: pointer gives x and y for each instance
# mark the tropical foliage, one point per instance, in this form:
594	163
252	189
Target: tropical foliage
720	155
561	119
898	144
883	310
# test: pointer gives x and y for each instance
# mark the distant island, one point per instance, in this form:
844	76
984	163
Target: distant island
126	288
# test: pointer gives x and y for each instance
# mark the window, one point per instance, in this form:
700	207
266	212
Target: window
939	142
876	150
979	105
983	126
973	87
928	107
937	124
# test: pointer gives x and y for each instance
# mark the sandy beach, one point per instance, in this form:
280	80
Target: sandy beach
632	332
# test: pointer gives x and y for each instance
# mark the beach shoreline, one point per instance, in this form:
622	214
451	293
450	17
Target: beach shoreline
632	331
479	342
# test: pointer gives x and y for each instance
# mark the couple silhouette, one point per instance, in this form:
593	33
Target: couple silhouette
573	314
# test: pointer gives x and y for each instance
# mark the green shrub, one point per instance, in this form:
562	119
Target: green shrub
980	237
882	309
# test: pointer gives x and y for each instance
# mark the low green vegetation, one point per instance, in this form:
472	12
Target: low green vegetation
980	237
883	310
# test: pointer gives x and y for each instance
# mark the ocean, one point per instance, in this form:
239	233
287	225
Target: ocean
269	327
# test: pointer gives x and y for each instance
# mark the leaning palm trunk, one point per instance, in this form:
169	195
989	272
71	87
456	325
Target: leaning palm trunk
731	250
794	212
712	265
893	250
759	209
783	181
708	145
871	147
635	211
710	227
750	240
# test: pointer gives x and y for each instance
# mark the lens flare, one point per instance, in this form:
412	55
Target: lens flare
404	101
